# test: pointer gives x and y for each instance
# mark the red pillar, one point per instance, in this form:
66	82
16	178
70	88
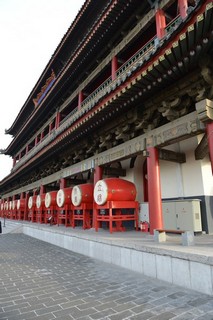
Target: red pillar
80	99
26	206
114	67
42	189
63	183
183	6
42	135
160	23
50	127
154	190
57	120
14	161
210	141
98	173
36	140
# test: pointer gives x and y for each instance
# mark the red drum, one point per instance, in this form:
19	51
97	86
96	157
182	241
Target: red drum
20	204
63	197
114	189
50	199
82	193
31	202
40	200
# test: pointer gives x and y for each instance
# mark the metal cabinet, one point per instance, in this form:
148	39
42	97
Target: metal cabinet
182	215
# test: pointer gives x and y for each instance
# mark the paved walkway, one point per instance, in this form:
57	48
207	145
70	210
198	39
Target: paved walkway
42	281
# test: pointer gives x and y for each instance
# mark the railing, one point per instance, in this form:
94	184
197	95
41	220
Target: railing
106	87
173	24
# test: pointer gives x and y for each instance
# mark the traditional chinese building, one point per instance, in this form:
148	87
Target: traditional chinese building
127	93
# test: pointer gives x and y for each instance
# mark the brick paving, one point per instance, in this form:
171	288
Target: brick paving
42	281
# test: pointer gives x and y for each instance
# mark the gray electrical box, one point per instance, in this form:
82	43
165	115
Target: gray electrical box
182	215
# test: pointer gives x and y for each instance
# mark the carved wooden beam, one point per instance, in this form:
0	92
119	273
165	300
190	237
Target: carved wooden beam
172	156
205	110
202	149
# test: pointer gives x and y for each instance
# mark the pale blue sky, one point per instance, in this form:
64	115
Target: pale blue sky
30	31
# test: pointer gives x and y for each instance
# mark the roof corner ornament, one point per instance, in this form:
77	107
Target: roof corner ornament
48	84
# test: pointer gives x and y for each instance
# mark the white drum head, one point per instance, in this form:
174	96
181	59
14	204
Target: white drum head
47	200
76	196
100	192
38	201
18	204
30	202
60	198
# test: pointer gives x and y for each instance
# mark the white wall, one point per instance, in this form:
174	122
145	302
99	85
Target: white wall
135	175
207	176
190	179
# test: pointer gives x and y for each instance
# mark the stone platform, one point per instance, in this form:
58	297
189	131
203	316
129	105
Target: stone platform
190	267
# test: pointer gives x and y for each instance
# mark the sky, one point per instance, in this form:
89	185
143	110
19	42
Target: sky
30	31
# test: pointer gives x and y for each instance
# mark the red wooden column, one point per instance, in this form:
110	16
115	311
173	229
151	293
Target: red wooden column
80	99
50	127
114	67
36	140
63	183
14	162
160	23
154	190
98	174
183	6
42	189
26	210
210	141
57	120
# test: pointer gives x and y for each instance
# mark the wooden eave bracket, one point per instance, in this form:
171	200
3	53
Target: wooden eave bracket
202	149
172	156
110	171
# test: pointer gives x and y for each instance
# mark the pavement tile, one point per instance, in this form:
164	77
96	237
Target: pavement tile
103	314
164	316
121	315
42	281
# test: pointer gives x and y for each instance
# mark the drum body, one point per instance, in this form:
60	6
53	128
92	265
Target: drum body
31	202
64	197
114	189
40	198
82	193
50	199
20	204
